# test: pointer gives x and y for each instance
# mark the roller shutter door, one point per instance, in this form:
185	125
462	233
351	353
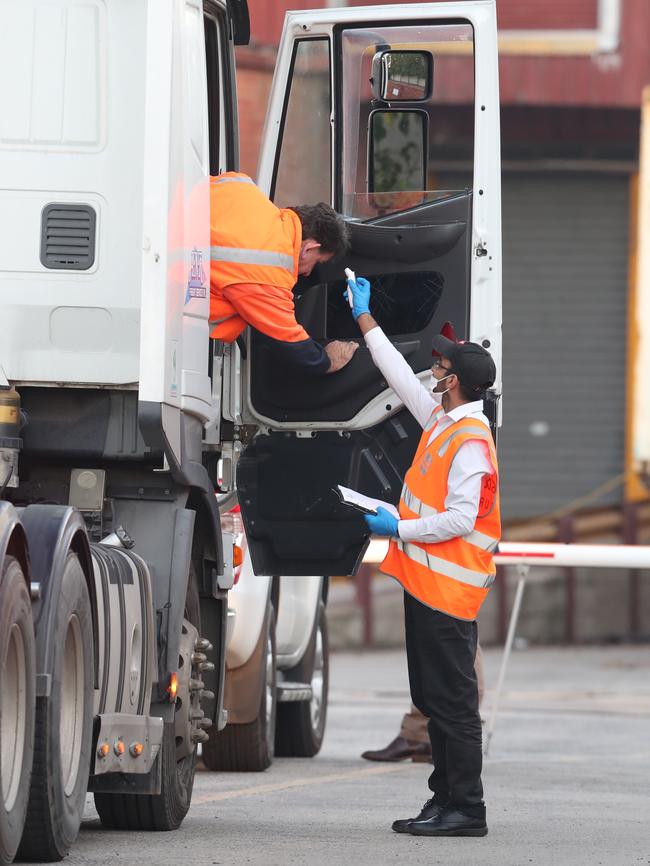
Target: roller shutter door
565	264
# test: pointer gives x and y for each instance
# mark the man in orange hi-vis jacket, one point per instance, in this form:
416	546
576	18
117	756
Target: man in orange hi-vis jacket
258	251
441	551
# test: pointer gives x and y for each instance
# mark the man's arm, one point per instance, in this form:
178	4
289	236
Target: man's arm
270	310
366	323
396	371
313	358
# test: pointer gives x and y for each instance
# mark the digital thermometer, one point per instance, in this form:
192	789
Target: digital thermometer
349	273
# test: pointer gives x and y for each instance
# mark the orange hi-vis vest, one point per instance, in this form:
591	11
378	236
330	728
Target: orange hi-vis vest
252	241
451	576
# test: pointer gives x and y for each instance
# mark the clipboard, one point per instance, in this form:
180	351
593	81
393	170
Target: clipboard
362	503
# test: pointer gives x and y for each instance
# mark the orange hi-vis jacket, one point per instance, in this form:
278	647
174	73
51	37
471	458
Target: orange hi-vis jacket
451	576
253	244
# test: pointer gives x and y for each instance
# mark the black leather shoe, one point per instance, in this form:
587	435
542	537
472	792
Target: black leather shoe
448	822
401	750
429	809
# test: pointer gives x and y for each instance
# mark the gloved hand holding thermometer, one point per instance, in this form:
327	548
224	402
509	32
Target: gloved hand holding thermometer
357	294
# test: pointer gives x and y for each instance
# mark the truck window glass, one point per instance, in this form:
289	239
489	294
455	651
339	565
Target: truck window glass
216	74
372	181
306	129
401	303
397	151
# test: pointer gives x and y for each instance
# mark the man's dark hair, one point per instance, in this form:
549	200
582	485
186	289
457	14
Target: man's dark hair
323	224
471	394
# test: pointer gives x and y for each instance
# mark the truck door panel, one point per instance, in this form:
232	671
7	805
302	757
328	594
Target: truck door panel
431	255
295	523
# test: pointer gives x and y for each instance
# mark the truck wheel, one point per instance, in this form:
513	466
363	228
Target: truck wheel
301	724
64	723
164	811
249	747
17	709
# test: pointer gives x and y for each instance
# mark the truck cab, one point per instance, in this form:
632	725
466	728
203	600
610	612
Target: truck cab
125	419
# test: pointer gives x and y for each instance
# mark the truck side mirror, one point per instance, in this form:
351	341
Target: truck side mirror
402	76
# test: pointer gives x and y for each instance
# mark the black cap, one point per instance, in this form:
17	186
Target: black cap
470	362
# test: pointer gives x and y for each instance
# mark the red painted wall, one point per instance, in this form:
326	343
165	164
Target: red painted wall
533	14
607	80
267	15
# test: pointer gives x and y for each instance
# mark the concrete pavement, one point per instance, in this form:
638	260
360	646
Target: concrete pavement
566	781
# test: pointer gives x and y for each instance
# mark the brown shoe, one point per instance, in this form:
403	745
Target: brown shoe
401	750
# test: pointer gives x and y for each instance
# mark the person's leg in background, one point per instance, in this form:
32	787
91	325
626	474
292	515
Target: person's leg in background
412	740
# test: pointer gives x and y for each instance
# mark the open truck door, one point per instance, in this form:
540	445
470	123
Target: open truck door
359	107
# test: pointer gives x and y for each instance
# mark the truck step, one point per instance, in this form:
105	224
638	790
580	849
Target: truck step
294	692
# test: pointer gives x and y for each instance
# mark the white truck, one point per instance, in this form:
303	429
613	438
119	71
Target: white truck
117	416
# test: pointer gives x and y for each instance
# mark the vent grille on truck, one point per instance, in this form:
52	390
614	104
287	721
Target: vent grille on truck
68	237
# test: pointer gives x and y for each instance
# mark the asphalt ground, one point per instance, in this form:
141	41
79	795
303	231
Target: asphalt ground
566	781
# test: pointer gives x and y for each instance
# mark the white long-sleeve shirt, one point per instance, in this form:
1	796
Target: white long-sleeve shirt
469	465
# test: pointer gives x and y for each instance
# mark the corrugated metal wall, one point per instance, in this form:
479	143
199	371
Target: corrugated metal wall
565	253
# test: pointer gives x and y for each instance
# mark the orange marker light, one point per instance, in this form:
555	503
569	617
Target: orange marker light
136	749
119	747
103	750
237	555
172	688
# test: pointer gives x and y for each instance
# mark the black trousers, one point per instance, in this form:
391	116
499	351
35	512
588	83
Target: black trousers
440	652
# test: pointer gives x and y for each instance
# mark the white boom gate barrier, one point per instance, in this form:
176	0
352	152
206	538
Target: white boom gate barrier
524	555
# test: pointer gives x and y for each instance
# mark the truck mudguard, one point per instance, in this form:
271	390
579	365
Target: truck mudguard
53	530
12	537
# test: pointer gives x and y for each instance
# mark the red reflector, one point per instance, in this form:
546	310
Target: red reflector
172	688
447	331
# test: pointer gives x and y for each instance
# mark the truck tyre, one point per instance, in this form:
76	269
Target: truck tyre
250	747
64	726
164	811
17	704
301	724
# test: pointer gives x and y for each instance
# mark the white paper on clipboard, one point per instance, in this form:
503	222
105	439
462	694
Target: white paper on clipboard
363	503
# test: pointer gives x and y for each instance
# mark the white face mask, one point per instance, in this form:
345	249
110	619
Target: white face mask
438	395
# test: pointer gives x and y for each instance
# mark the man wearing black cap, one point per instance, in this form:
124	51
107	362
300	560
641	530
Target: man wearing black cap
441	552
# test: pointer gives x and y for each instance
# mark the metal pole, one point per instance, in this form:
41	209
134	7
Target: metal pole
631	536
566	534
522	570
502	602
364	598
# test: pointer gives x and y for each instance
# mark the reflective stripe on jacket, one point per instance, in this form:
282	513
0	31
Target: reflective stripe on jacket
452	576
252	242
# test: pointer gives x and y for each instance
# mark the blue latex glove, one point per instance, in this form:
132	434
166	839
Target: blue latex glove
360	289
381	523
